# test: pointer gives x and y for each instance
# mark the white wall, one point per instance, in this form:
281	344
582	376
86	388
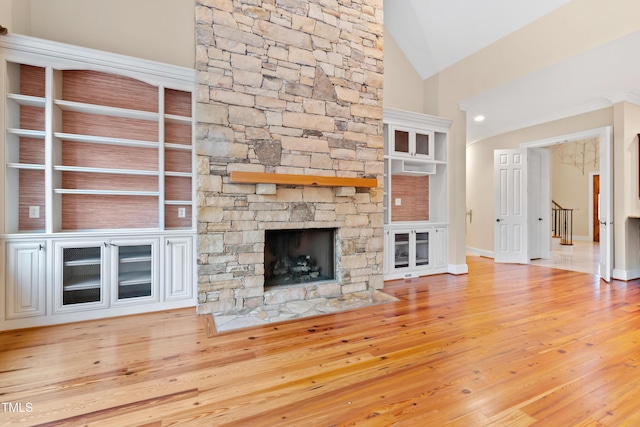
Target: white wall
159	30
403	86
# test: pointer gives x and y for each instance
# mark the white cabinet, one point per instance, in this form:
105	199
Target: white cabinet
94	274
406	141
80	276
25	270
134	271
415	194
414	252
98	165
411	251
440	249
178	260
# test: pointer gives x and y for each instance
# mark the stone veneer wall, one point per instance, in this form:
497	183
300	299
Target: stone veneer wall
287	86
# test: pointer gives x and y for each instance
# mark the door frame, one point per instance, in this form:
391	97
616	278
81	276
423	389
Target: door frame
605	135
592	214
545	200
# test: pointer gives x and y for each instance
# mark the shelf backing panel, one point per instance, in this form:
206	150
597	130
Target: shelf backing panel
414	193
87	212
109	126
112	90
108	156
32	193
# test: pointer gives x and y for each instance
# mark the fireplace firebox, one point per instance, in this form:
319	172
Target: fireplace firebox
299	256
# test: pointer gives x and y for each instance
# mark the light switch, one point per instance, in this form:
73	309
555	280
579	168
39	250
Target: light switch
398	201
34	211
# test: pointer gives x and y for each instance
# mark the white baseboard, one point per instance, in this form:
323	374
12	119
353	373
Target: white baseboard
458	269
480	252
625	275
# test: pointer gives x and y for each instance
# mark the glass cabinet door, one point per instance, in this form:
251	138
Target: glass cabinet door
401	141
422	144
82	275
134	272
401	250
422	248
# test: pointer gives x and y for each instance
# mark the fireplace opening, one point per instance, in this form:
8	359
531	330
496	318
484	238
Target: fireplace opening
299	256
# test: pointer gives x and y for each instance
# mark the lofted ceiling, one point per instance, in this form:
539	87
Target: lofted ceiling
435	34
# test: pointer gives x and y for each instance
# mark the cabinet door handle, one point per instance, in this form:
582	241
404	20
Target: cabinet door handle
40	247
168	242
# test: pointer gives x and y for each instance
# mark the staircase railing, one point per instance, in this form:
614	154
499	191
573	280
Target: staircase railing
562	223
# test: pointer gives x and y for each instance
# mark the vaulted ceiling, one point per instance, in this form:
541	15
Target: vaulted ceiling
435	34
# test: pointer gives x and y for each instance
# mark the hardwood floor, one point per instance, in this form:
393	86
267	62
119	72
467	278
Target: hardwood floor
506	345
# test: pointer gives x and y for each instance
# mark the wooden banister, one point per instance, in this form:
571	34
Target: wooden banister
240	177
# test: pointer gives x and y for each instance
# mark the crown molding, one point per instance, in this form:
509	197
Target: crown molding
410	118
631	98
64	55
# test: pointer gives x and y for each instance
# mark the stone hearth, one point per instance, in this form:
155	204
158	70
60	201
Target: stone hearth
290	87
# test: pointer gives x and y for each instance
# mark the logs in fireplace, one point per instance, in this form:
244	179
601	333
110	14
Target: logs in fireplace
299	256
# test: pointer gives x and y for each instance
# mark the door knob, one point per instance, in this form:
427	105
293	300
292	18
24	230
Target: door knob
498	220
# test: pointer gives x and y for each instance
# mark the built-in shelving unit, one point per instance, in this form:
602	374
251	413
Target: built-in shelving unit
415	194
98	148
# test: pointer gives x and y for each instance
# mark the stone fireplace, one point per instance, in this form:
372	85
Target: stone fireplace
287	87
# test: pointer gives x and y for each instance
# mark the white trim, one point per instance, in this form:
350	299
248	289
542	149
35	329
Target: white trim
592	214
624	97
625	274
605	135
570	137
480	252
59	53
458	269
410	118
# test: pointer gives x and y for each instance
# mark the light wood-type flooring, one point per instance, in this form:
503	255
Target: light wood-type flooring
505	345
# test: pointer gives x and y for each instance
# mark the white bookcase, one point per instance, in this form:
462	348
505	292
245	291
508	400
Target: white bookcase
98	168
415	194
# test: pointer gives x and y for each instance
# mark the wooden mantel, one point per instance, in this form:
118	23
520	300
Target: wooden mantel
240	177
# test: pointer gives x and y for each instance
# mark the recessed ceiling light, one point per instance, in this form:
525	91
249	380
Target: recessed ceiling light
479	118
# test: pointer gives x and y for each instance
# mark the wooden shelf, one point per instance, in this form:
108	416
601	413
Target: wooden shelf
240	177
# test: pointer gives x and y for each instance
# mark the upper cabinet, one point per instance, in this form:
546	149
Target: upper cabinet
412	142
95	141
416	185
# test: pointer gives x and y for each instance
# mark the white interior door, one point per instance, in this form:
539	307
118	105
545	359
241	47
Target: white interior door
510	206
605	216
